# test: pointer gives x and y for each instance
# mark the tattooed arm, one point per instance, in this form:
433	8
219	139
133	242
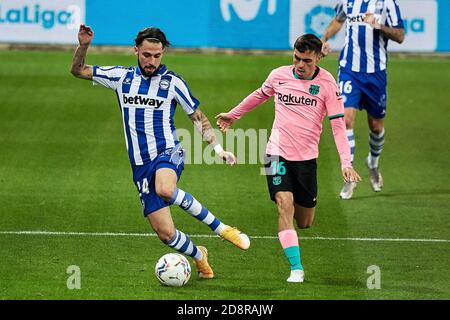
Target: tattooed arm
203	126
79	69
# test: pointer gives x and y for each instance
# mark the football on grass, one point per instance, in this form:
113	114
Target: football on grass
173	269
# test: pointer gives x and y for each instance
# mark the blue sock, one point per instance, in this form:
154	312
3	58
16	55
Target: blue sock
351	141
184	245
376	142
189	204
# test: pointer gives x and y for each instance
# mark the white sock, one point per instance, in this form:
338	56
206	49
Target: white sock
351	141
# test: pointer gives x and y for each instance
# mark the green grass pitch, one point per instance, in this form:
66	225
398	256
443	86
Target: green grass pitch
64	168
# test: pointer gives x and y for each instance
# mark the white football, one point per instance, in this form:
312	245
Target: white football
173	269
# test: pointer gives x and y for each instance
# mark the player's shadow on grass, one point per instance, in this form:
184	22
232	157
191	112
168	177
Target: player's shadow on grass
404	194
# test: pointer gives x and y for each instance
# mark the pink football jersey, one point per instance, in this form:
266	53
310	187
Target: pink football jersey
300	107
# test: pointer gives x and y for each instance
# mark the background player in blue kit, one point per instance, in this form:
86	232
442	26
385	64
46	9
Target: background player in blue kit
148	95
362	71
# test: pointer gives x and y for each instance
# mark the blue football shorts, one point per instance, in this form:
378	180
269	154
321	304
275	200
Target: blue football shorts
362	90
144	177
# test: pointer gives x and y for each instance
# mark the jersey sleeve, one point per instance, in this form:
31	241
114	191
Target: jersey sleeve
108	76
335	112
267	87
340	11
184	96
257	97
333	101
394	18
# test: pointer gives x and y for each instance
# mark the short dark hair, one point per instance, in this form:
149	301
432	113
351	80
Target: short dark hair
151	34
308	42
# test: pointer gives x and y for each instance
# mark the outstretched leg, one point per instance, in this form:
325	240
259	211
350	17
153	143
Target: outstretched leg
166	188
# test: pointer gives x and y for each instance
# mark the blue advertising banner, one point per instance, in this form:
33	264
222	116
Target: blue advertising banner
238	24
257	24
185	22
444	26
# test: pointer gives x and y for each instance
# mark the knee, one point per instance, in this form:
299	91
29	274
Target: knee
285	203
304	224
165	234
377	130
349	118
349	121
165	191
376	126
304	217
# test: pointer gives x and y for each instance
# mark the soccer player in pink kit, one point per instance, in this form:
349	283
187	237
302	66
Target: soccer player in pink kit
303	94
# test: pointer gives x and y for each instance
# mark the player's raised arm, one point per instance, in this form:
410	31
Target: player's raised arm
79	69
203	126
333	28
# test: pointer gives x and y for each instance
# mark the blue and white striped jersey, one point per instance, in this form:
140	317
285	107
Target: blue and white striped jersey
365	48
148	107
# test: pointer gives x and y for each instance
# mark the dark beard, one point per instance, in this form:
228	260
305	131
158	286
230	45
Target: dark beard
146	74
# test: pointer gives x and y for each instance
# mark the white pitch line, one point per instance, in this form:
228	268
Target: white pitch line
123	234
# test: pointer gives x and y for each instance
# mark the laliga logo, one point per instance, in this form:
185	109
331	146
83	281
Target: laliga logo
245	9
29	15
317	20
416	25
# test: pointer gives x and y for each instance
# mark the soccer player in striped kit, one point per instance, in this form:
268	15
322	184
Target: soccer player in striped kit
303	94
362	71
148	95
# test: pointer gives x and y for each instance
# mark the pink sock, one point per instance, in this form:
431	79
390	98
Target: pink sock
288	238
289	242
